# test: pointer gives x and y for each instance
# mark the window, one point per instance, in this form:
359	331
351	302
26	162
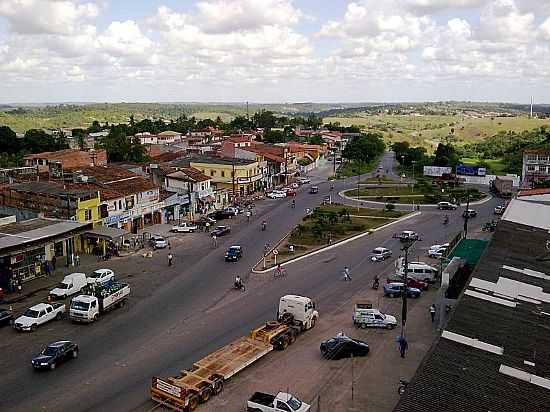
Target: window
542	169
120	204
531	158
223	173
88	214
282	406
543	159
49	309
212	173
531	168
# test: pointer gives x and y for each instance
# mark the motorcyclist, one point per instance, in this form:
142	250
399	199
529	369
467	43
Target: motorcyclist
293	203
376	283
446	219
332	186
238	282
264	224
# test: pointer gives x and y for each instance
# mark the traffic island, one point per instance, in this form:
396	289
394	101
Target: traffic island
325	226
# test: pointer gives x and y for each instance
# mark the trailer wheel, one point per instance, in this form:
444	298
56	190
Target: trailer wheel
218	386
193	403
285	341
291	338
205	395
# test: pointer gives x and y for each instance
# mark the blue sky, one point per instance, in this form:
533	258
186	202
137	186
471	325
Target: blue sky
274	50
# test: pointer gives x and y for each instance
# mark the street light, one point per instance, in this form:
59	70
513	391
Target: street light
412	187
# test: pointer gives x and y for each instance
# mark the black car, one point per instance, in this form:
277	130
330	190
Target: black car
221	214
221	230
342	346
233	254
6	317
54	354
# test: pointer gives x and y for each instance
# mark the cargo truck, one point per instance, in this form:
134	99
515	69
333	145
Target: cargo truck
206	377
97	300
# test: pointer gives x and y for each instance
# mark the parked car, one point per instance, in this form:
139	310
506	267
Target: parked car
101	276
221	214
295	185
202	221
234	253
276	194
6	317
446	206
233	211
365	316
437	253
469	213
221	231
395	289
445	245
38	315
158	242
342	346
418	270
314	189
184	227
408	235
303	180
291	192
282	402
70	285
499	210
54	354
411	282
380	253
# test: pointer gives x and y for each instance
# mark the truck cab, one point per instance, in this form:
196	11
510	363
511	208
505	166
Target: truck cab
84	308
365	315
299	310
282	402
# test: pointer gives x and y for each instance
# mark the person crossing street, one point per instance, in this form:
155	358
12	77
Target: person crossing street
432	312
170	258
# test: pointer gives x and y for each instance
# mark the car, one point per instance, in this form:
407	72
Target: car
446	206
71	285
221	231
437	253
469	213
233	211
291	192
158	242
101	276
38	315
234	253
184	227
221	214
499	210
411	282
54	354
395	289
342	346
408	235
314	189
445	245
6	317
380	253
203	220
303	180
276	194
295	185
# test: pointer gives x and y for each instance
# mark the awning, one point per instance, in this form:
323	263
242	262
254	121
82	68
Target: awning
106	232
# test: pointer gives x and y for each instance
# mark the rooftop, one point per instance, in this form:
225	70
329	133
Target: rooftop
169	133
539	150
494	354
220	160
54	189
189	174
529	213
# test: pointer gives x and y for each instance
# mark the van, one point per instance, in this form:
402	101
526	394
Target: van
70	285
418	270
380	253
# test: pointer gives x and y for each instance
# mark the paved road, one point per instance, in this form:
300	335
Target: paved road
178	314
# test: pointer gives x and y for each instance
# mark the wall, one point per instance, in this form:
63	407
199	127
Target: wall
486	180
19	213
93	206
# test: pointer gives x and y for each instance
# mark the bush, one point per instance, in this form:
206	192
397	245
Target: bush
390	206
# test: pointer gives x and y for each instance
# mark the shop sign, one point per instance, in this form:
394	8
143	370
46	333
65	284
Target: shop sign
16	259
115	219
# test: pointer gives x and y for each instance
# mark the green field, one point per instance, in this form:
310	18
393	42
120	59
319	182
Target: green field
494	166
428	131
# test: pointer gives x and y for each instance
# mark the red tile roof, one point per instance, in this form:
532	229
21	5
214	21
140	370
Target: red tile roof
531	192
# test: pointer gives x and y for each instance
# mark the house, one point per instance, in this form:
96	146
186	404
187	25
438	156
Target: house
195	185
535	168
66	159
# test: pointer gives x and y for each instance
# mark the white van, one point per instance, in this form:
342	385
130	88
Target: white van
70	285
417	270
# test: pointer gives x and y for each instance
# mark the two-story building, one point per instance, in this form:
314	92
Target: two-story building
66	159
536	167
196	186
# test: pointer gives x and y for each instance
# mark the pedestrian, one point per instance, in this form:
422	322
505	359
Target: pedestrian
77	260
432	312
170	257
403	346
47	268
347	275
54	260
215	240
207	226
169	246
248	214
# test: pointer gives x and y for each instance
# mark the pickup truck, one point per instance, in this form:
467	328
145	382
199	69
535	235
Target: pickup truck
283	402
38	315
97	300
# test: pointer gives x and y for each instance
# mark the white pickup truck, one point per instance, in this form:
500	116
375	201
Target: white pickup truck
283	402
100	299
38	315
365	316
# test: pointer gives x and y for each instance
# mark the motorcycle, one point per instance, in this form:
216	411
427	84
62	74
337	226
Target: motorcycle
402	386
376	284
264	226
239	286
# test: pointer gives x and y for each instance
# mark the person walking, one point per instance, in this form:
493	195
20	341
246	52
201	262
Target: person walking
77	260
170	258
347	274
248	214
54	261
215	240
47	268
432	312
403	346
207	226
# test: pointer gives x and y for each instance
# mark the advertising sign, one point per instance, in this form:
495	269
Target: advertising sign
468	170
437	171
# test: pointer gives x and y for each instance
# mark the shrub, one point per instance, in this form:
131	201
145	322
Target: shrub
390	206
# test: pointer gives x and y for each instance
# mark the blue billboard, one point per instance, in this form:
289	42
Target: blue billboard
469	170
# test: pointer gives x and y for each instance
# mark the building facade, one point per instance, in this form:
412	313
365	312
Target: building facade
536	167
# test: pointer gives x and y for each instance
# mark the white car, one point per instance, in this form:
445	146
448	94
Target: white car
408	235
276	194
184	227
303	180
38	315
70	285
435	247
437	253
158	242
295	185
101	276
380	253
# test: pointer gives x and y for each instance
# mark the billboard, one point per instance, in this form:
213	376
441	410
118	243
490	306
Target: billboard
437	171
469	170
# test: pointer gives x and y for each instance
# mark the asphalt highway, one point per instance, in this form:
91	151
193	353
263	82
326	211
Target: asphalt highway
178	314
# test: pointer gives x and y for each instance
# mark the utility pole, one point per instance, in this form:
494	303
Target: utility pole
407	244
233	177
334	162
358	181
467	215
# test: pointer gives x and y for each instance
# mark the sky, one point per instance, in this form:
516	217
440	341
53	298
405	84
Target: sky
274	51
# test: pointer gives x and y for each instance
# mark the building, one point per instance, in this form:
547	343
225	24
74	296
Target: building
494	353
26	245
66	159
195	186
77	202
535	168
163	138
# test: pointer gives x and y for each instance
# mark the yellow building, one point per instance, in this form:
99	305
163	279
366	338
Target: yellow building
243	177
87	211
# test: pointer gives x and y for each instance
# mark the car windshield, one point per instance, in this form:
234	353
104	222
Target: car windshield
95	275
294	403
79	305
49	351
30	313
63	286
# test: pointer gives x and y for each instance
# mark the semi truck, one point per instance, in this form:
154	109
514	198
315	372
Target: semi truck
97	300
206	377
502	186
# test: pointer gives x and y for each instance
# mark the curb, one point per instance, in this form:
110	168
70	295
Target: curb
340	243
478	202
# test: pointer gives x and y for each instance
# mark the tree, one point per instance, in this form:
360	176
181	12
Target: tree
117	145
37	141
274	136
9	141
364	148
315	139
265	119
241	123
445	155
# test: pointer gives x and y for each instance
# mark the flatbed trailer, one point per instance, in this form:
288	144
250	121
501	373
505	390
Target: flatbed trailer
207	376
